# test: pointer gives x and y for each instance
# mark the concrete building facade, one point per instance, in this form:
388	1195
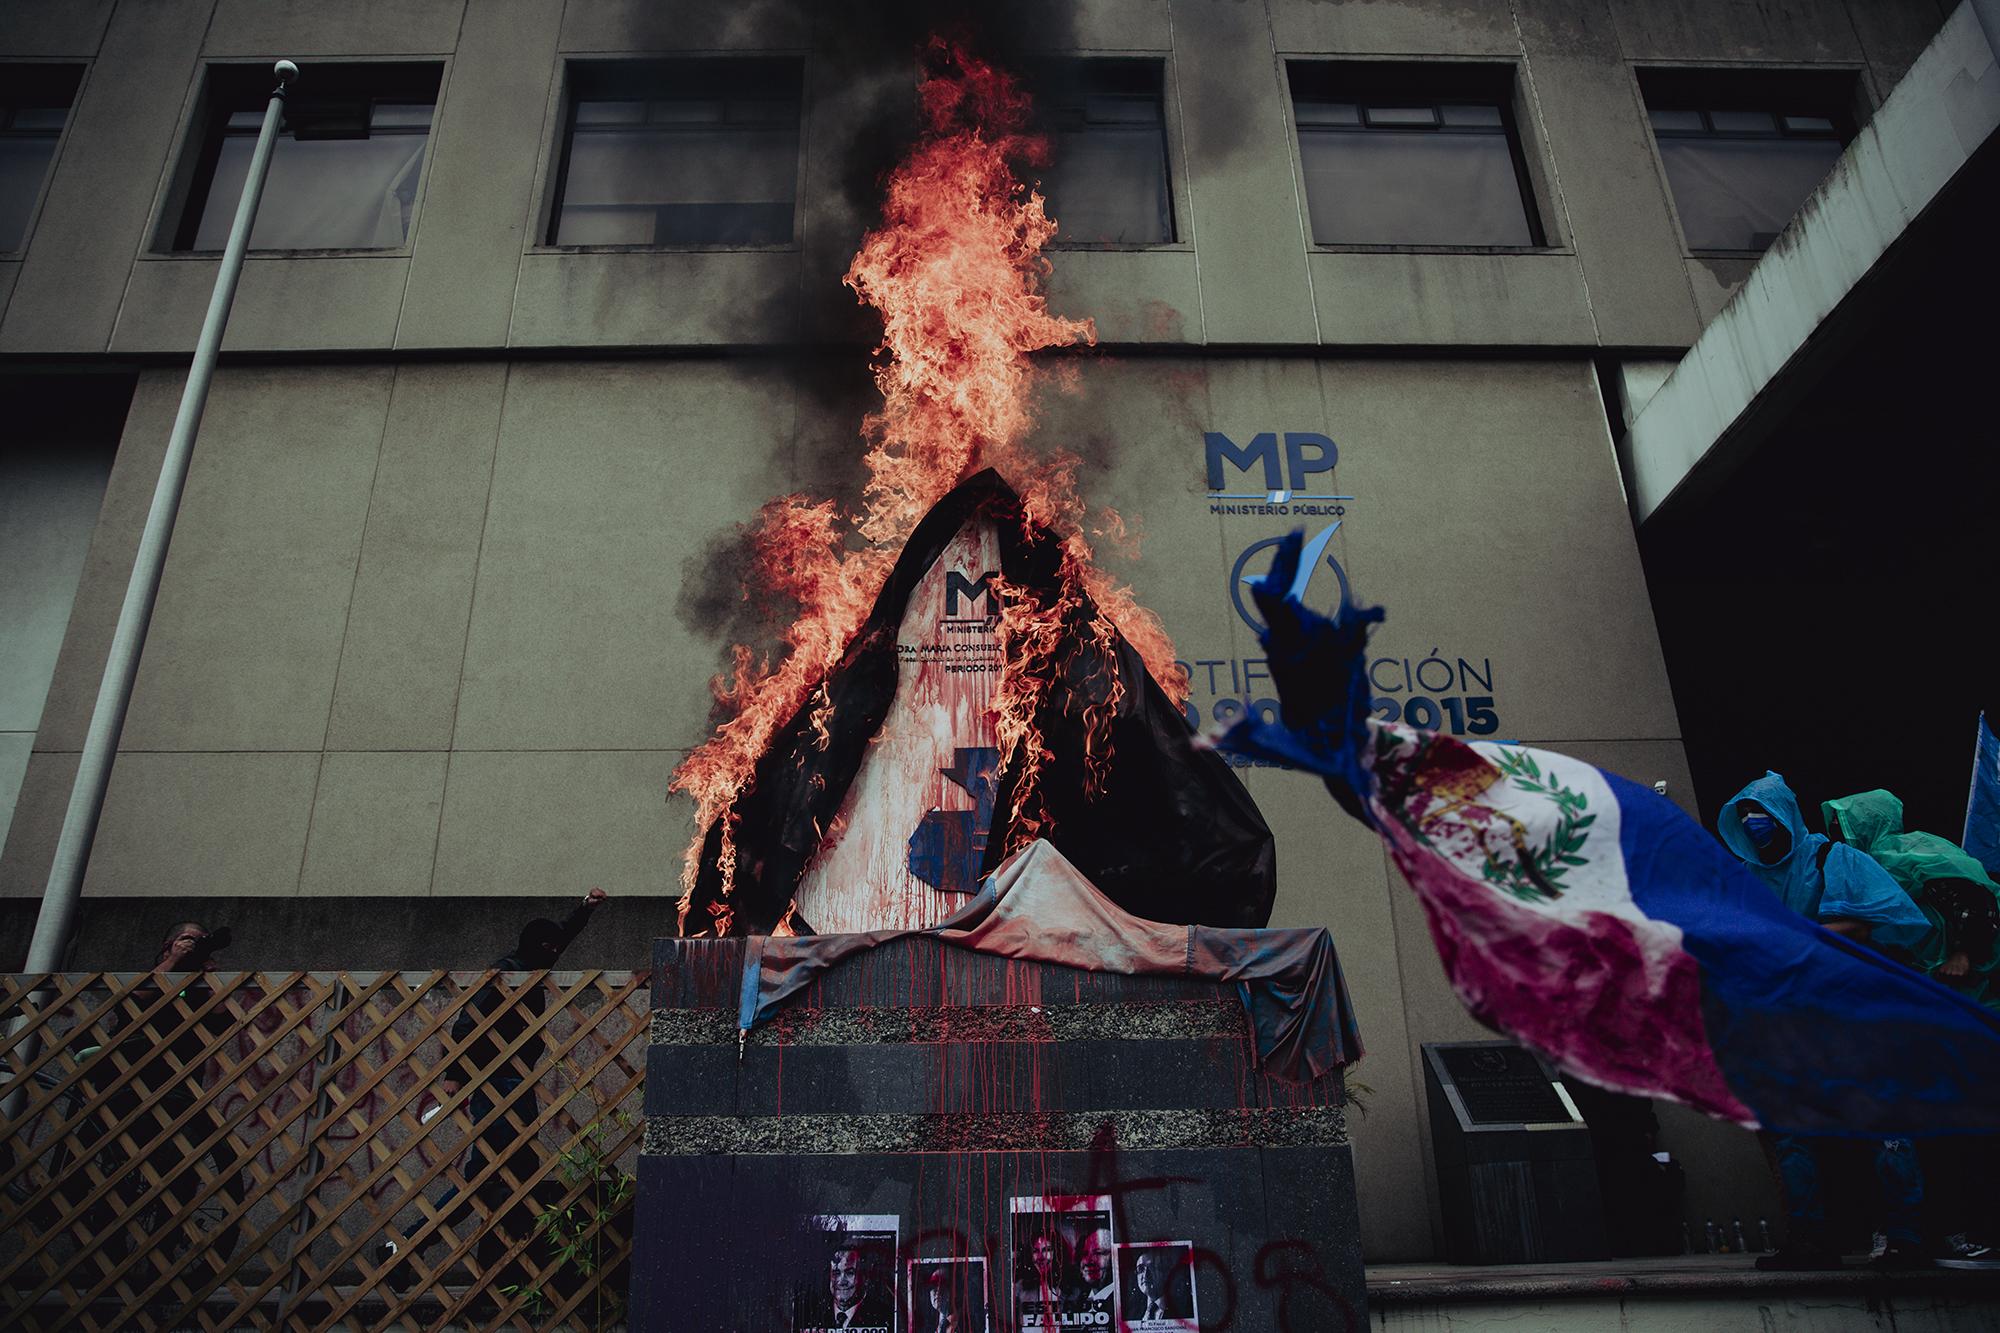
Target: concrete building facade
455	562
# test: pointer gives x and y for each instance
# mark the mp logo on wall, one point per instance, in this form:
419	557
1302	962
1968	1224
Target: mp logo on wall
1288	476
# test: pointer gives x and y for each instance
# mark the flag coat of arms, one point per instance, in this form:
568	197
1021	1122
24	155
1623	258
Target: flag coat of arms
1588	917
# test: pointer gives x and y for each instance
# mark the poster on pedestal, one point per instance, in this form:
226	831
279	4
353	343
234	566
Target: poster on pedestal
949	1296
1064	1275
852	1284
1156	1286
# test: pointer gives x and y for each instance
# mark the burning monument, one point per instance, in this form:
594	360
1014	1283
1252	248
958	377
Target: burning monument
955	272
973	1005
963	732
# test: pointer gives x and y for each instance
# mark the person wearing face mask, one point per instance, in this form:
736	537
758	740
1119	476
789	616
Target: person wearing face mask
1822	880
1850	895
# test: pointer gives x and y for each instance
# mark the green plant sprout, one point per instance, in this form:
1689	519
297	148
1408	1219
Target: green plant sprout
574	1233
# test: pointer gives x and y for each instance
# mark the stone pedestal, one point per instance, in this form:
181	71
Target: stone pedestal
1517	1177
952	1092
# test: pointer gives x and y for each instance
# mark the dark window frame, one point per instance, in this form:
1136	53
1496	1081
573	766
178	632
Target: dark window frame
1779	117
1063	91
37	86
641	79
1412	85
1835	95
326	92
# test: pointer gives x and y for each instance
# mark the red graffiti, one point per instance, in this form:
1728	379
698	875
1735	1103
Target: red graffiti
1304	1273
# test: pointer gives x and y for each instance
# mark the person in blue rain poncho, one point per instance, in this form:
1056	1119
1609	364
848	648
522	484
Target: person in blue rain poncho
1848	893
1830	882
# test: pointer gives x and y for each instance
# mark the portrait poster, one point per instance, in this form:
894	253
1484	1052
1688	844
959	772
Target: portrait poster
1156	1286
949	1296
852	1282
1064	1268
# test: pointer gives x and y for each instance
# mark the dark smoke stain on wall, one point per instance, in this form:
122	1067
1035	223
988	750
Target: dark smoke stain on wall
866	39
858	115
832	391
861	77
713	600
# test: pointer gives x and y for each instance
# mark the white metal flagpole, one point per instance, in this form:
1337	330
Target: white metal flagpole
57	918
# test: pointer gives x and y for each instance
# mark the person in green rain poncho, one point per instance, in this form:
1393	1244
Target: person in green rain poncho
1963	902
1955	891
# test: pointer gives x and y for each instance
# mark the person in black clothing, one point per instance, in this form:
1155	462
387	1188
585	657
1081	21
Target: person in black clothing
493	1078
149	1120
541	944
167	1047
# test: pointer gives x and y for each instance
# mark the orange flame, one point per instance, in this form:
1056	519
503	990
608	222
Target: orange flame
956	271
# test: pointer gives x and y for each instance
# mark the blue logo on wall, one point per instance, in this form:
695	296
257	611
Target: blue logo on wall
1311	560
948	846
1287	475
1434	691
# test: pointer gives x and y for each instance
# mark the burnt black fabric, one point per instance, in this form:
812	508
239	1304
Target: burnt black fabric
1171	836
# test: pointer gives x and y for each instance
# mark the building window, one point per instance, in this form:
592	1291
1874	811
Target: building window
55	460
679	153
1412	155
344	171
34	105
1106	181
1742	154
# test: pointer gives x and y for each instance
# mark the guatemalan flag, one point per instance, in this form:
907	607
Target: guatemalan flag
1591	919
1982	809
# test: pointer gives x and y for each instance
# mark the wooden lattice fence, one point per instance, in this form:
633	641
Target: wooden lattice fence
312	1150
